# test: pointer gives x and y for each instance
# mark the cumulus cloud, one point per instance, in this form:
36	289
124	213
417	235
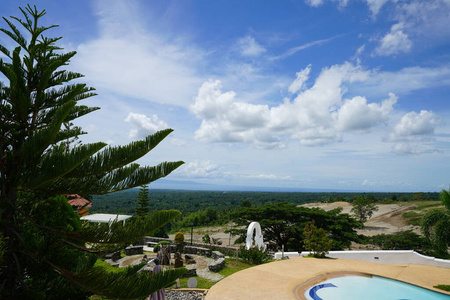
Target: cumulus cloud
413	132
415	124
249	47
357	114
395	42
143	125
316	116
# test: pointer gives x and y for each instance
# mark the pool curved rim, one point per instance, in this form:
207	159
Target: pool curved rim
302	288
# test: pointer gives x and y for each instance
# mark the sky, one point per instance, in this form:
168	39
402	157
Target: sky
305	94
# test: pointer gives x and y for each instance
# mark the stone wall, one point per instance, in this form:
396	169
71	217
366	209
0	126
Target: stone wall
134	250
217	265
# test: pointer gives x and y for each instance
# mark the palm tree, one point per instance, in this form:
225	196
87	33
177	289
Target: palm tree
436	225
36	165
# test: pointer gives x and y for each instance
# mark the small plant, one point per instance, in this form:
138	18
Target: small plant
179	238
206	239
156	247
254	255
216	241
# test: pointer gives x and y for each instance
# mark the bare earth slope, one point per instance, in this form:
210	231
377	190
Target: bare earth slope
388	219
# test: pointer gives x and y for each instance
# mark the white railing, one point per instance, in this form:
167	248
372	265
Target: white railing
380	256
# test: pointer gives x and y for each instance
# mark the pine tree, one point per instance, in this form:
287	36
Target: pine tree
36	101
142	197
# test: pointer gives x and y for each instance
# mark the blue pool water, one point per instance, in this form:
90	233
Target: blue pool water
374	288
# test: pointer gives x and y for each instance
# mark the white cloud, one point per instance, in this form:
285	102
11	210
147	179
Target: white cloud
356	114
414	131
404	81
405	148
299	83
395	42
144	125
249	47
415	124
129	60
316	3
316	116
375	6
202	169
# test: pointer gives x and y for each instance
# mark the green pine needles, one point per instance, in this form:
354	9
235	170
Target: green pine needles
38	162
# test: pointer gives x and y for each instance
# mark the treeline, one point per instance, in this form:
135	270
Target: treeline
188	202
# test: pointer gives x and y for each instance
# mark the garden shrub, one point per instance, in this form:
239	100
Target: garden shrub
156	247
179	238
254	255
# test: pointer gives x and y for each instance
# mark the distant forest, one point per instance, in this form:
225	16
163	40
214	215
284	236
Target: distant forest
187	202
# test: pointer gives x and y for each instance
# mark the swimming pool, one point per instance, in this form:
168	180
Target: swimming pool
369	288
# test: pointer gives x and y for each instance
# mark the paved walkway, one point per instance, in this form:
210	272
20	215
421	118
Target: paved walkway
279	280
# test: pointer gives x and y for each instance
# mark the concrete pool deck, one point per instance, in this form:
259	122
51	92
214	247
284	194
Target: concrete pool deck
280	279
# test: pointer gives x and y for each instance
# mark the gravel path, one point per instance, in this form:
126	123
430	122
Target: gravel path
185	295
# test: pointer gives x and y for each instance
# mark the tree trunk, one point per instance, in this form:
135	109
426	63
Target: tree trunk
8	276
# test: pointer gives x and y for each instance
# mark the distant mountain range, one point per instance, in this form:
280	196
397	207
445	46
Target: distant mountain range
164	184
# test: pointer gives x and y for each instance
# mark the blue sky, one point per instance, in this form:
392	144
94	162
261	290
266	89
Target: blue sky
334	94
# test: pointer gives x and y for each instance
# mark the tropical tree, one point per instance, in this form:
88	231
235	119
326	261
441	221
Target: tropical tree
436	225
283	224
36	100
363	207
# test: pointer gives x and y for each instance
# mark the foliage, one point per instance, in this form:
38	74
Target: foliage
436	226
283	224
42	281
192	201
364	207
156	247
38	104
403	240
142	197
444	287
179	238
254	255
216	241
206	239
208	216
316	240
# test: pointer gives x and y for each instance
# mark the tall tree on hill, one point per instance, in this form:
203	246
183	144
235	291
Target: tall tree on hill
364	207
142	208
37	99
436	225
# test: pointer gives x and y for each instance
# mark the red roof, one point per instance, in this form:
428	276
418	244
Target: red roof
76	200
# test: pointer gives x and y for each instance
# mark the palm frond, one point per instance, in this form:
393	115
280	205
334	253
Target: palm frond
430	219
445	198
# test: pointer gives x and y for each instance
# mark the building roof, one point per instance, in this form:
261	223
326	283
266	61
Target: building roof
105	218
77	200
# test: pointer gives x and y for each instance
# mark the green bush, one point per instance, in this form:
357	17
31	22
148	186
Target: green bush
254	255
156	247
